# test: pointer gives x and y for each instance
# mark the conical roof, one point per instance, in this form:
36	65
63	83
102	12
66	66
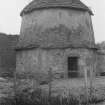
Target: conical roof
40	4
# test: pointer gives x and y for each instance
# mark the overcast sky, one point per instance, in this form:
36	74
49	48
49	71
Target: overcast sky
10	20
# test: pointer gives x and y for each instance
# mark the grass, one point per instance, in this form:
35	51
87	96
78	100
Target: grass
38	98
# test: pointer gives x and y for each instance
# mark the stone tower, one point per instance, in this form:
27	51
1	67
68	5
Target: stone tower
56	35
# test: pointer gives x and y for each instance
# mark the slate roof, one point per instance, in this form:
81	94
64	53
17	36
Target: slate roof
41	4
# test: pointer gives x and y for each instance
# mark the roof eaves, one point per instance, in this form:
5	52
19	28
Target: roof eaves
34	6
72	7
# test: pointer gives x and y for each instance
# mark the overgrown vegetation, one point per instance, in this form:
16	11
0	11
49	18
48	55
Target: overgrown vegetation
25	94
37	97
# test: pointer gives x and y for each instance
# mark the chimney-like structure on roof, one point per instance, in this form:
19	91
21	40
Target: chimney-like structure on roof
56	34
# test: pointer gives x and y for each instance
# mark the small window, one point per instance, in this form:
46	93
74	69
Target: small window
72	67
102	74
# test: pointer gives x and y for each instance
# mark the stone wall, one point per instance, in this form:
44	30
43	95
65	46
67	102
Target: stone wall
100	63
100	68
56	28
37	62
48	37
7	54
6	88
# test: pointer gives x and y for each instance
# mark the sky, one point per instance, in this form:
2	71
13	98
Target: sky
10	20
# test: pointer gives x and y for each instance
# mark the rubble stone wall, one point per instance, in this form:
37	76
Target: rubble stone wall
100	68
39	61
56	27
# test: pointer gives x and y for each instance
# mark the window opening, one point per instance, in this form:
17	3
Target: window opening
72	67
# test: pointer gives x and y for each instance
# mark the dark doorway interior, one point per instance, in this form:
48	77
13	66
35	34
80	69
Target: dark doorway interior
72	67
